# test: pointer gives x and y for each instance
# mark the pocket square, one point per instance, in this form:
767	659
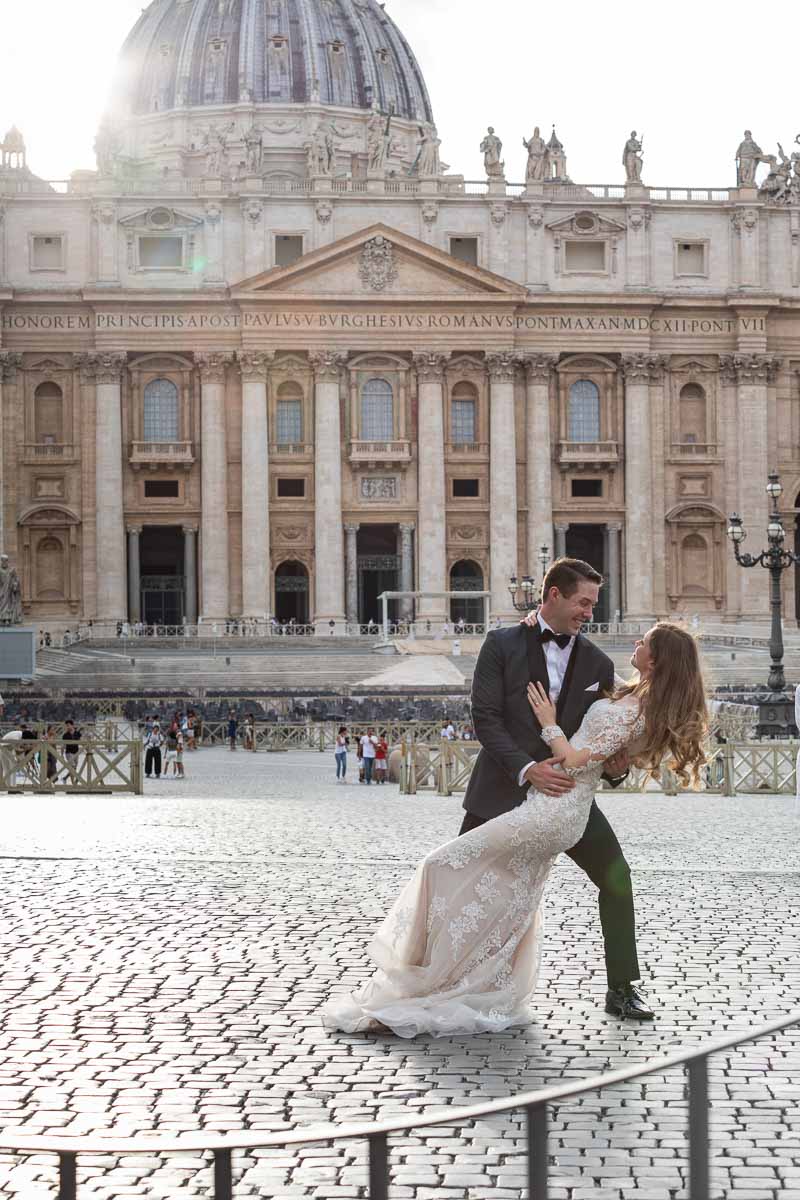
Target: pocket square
593	687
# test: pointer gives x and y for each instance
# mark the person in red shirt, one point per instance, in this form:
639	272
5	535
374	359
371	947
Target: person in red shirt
381	759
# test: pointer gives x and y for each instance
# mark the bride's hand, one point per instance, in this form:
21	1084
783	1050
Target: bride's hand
543	707
531	619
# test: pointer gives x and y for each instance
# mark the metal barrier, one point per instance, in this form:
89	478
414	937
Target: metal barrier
96	769
536	1105
736	768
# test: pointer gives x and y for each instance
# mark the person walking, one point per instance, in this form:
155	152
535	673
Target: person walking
152	758
191	730
50	762
233	729
249	732
171	750
381	759
342	742
71	737
368	750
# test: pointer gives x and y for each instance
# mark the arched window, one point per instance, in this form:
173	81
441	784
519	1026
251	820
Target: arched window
466	576
694	566
464	414
377	411
161	416
584	411
692	407
289	415
48	409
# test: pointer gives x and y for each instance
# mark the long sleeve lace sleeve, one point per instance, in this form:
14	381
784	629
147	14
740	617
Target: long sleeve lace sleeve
608	728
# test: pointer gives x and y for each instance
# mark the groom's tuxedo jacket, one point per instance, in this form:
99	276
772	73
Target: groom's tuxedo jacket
503	719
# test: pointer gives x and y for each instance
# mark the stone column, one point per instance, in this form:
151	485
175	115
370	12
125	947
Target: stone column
745	225
612	571
432	508
214	243
254	367
351	532
561	540
8	370
112	602
134	573
753	373
104	215
732	453
214	536
503	489
539	475
328	540
190	572
536	273
639	563
407	570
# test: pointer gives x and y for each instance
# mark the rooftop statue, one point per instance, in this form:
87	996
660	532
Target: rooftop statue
10	594
537	170
748	156
492	149
428	164
632	158
254	145
379	138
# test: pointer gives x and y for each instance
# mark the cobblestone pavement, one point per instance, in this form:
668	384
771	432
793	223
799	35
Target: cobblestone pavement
163	959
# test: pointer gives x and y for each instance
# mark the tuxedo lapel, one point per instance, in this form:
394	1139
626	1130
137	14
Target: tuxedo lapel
537	666
577	679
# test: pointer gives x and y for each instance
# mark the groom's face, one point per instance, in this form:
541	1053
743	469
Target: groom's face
570	613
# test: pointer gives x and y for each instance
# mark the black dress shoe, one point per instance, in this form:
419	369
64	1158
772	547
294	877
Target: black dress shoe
628	1001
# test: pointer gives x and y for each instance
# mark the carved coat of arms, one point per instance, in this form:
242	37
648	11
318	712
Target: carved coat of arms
378	268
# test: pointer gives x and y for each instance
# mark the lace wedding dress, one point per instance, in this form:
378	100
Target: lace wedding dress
459	952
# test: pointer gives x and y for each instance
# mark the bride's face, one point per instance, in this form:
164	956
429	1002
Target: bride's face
641	658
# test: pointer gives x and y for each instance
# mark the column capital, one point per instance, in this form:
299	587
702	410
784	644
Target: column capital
614	526
749	368
10	360
101	367
187	530
407	528
538	367
560	527
430	366
255	364
641	368
352	527
327	364
502	366
212	365
134	530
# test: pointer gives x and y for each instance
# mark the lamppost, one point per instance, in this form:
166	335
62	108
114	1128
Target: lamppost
776	560
527	586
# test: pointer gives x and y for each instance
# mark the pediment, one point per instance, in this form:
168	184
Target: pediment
380	263
586	223
47	364
160	219
692	366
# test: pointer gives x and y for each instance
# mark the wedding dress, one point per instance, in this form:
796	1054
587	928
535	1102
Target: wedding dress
460	950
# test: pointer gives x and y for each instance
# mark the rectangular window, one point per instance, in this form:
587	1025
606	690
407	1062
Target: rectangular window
289	422
463	422
47	253
690	258
161	489
587	487
466	488
288	249
587	258
291	488
465	249
160	253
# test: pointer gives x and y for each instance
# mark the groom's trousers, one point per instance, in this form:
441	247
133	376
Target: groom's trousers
598	853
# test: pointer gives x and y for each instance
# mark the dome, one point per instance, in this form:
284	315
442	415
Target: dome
203	53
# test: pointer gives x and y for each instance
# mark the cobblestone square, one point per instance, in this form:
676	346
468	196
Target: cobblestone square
164	958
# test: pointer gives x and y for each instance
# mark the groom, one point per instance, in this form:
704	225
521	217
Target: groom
552	651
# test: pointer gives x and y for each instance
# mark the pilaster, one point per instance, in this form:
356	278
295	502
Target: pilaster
432	500
503	484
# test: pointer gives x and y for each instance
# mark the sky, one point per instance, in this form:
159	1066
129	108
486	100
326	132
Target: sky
676	72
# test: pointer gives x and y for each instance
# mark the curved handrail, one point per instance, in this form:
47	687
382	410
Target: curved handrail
331	1132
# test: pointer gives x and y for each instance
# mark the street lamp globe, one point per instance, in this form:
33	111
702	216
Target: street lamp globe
775	531
736	530
774	487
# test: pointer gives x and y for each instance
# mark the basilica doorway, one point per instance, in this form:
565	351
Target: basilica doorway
291	593
378	571
588	542
467	576
163	587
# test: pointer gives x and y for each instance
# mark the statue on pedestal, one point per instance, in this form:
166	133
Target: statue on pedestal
379	138
254	145
107	149
428	164
491	149
10	594
748	156
216	148
321	151
537	170
632	158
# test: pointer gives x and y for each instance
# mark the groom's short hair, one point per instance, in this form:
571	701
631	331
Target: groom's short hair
567	574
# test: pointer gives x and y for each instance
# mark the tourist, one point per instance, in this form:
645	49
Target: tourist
368	748
448	732
191	730
49	757
342	742
174	751
381	759
152	758
233	729
71	738
249	732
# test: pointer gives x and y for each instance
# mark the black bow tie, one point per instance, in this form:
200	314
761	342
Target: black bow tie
562	640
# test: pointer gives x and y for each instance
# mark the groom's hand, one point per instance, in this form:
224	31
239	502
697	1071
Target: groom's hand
545	778
618	765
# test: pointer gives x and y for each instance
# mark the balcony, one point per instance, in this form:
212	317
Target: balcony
694	450
374	454
468	450
38	453
588	455
154	456
293	450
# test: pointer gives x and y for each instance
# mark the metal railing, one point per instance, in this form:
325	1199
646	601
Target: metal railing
536	1105
45	766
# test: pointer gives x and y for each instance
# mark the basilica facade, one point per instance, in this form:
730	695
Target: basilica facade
274	357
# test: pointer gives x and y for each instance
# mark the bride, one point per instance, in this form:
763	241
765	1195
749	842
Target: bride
459	952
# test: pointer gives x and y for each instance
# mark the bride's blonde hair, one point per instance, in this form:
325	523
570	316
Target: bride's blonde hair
673	702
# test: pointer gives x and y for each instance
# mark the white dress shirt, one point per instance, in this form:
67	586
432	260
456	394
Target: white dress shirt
557	662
